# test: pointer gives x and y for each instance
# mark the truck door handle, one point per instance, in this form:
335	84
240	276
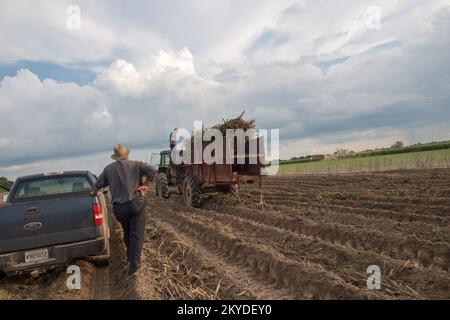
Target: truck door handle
32	210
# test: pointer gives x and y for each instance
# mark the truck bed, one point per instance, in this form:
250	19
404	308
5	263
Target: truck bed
49	219
46	222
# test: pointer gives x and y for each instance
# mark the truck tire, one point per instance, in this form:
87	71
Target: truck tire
191	192
104	259
163	184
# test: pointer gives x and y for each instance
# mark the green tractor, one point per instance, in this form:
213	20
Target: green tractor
166	173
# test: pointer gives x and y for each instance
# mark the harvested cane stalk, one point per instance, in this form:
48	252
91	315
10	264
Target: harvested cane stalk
235	123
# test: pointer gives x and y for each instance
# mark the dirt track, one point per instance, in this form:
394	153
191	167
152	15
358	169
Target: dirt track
96	283
299	237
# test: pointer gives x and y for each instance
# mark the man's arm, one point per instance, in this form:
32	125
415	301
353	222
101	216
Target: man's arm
149	172
99	184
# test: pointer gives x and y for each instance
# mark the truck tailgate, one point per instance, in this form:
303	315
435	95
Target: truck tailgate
46	222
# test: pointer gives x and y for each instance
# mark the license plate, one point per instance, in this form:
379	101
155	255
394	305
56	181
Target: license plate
36	255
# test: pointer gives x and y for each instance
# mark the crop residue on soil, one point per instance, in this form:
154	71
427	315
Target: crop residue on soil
306	237
297	237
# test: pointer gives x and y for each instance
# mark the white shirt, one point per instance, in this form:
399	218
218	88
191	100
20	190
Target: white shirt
173	137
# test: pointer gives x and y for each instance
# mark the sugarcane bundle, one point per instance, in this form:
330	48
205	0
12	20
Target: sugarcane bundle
235	123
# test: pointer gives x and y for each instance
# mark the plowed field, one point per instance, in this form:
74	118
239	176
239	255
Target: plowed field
307	237
297	237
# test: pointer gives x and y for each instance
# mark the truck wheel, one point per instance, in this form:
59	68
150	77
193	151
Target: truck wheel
191	192
234	190
104	259
163	185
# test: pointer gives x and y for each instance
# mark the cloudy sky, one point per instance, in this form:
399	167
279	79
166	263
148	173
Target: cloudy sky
328	73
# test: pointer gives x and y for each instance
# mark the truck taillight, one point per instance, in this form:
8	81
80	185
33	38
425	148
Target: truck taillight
98	212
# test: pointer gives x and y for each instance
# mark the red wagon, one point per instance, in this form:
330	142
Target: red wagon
193	179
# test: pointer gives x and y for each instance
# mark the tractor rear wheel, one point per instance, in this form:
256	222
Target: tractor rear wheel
157	192
191	191
163	185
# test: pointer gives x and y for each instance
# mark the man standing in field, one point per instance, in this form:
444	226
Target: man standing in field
124	178
173	138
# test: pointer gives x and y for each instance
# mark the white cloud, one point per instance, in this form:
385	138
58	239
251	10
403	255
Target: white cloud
167	67
356	141
121	76
215	62
38	118
181	62
38	31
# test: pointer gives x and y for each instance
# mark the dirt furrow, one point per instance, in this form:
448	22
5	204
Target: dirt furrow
302	278
336	207
241	284
407	225
397	246
398	276
441	211
276	194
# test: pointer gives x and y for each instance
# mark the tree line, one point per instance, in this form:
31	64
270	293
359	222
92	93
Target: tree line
5	182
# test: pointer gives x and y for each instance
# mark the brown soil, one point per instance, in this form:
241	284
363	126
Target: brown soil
297	237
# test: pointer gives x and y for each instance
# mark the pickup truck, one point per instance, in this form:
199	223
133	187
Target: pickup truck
50	219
